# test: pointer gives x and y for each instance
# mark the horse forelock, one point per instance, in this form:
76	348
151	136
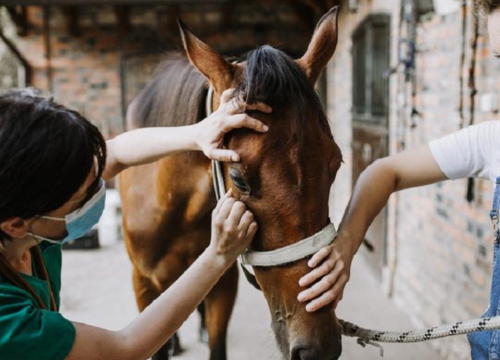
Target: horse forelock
274	78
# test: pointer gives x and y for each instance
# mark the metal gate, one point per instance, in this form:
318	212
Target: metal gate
371	56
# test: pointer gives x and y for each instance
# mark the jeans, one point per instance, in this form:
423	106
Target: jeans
485	345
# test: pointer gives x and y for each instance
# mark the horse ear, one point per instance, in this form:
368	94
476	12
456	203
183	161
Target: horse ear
322	46
216	69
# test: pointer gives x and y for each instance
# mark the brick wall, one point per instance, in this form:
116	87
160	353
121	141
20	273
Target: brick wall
439	246
83	72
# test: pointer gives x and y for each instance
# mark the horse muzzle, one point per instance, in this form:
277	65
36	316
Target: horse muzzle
300	351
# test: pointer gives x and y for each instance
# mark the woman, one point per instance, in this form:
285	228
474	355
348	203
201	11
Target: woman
53	163
472	152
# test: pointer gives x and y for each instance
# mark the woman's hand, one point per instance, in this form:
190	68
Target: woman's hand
331	271
233	228
230	115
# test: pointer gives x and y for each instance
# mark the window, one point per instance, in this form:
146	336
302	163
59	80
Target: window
371	55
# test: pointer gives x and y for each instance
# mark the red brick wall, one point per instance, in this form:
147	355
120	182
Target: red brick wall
439	246
85	70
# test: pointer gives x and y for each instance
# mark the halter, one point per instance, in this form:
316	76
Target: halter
279	256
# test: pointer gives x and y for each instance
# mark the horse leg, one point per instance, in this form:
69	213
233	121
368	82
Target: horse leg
202	332
146	293
218	307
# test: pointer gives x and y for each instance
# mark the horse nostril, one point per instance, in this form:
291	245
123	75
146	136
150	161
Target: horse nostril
305	353
299	353
332	351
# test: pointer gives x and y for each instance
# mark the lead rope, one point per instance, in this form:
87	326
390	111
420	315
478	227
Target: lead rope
373	337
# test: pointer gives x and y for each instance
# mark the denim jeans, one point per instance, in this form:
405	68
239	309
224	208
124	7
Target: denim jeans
485	345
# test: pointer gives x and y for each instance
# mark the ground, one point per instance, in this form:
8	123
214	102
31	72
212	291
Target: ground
97	290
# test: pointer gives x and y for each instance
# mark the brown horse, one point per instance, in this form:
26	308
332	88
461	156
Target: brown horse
284	178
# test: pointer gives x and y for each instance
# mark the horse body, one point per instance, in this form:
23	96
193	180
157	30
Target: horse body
284	178
167	205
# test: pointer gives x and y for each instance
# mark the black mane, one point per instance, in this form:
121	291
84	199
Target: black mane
274	78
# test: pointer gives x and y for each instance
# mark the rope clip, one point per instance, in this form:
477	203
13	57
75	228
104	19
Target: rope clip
364	342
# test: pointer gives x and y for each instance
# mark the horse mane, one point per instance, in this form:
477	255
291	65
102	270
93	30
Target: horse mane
173	98
274	78
176	94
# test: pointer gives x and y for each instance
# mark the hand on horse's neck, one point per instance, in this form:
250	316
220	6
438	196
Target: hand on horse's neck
18	255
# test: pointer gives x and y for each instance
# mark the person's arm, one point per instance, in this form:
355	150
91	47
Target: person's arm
233	228
146	145
332	264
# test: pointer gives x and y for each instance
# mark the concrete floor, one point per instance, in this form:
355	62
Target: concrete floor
97	290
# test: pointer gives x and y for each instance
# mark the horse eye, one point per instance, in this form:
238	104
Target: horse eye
239	182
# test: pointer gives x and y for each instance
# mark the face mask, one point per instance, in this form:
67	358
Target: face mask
80	221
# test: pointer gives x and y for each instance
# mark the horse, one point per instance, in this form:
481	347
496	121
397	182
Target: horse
284	178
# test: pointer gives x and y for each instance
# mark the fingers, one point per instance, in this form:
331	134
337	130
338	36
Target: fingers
317	273
328	290
223	155
243	120
319	256
224	205
326	298
226	95
259	107
252	230
236	214
248	224
237	105
228	194
320	287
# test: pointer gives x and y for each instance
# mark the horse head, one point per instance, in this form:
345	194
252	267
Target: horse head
285	175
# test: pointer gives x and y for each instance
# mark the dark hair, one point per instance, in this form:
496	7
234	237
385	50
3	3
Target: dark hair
274	78
487	6
46	154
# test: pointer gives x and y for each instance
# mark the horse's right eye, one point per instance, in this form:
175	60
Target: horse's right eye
238	181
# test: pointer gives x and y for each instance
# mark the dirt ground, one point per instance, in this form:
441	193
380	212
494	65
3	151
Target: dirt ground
97	290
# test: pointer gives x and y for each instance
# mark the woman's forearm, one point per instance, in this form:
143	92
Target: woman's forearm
233	228
158	322
411	168
146	145
371	193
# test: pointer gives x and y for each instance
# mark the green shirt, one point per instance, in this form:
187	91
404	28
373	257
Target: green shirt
26	331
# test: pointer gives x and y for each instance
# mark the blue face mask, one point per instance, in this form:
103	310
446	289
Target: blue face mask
80	221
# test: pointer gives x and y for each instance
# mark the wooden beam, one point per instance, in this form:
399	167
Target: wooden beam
122	13
107	2
19	17
228	14
72	20
12	47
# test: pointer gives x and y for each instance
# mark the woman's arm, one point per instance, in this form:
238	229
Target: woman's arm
142	146
410	168
233	228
